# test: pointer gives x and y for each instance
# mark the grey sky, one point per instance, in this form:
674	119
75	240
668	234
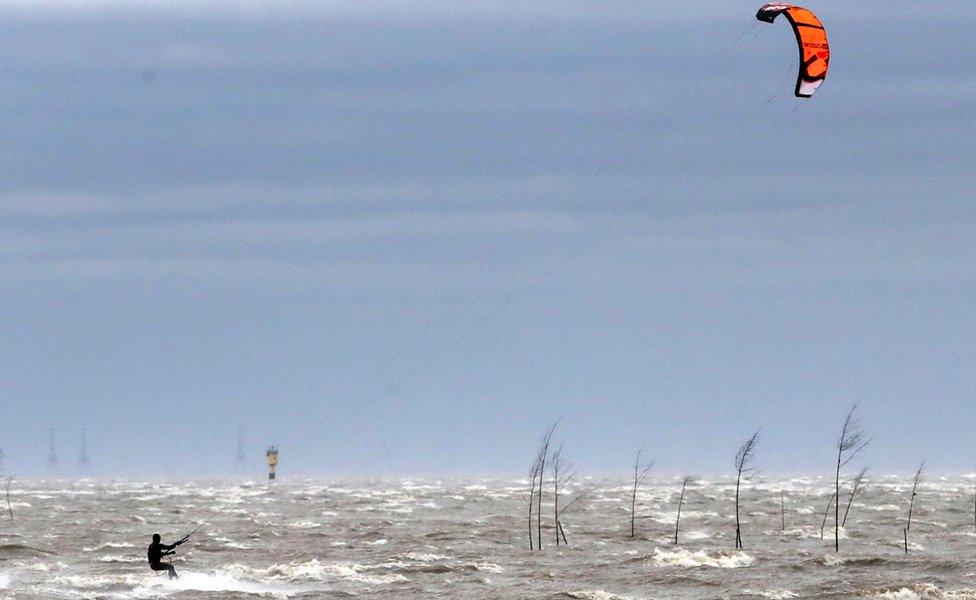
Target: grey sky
405	236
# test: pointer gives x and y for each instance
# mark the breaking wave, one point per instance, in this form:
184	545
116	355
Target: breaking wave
779	594
922	591
724	559
596	595
313	570
833	560
218	582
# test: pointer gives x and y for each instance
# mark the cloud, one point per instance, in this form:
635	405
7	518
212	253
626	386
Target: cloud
413	250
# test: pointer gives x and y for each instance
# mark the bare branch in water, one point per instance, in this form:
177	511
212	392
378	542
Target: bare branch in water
851	442
10	508
562	474
911	504
640	474
823	524
685	482
541	458
856	486
743	467
533	474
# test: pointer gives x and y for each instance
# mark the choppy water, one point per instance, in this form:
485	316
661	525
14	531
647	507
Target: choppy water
466	539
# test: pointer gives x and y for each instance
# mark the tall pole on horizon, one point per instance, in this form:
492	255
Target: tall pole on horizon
52	454
83	450
240	459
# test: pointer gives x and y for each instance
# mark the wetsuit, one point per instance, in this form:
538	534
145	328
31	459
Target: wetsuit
157	551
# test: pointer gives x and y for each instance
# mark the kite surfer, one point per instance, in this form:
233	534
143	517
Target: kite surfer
157	550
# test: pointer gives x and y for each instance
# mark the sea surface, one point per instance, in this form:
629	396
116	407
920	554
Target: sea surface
440	538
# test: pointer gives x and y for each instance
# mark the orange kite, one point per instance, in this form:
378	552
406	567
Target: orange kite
811	39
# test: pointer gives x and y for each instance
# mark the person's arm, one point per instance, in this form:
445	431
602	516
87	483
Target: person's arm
168	547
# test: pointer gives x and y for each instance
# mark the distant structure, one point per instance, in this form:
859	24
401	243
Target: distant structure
272	455
52	455
241	458
83	450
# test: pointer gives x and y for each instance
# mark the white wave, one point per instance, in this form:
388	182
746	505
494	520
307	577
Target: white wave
668	517
4	581
420	487
95	582
831	560
725	559
900	543
108	545
810	532
774	594
488	567
305	525
216	582
597	595
424	557
115	558
938	524
229	543
232	511
237	546
313	570
923	591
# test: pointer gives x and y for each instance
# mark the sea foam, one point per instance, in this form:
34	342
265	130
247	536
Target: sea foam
216	582
683	558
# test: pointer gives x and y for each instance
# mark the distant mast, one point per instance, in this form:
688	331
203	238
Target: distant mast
272	455
83	450
240	459
52	455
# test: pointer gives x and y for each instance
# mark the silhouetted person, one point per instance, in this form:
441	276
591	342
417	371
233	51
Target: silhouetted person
157	550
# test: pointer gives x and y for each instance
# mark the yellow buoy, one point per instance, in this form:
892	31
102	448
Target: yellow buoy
272	461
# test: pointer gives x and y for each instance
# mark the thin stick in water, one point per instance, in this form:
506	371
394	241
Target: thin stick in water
823	525
681	499
640	474
10	508
911	504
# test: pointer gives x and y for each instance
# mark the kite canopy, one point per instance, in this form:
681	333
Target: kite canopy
811	39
